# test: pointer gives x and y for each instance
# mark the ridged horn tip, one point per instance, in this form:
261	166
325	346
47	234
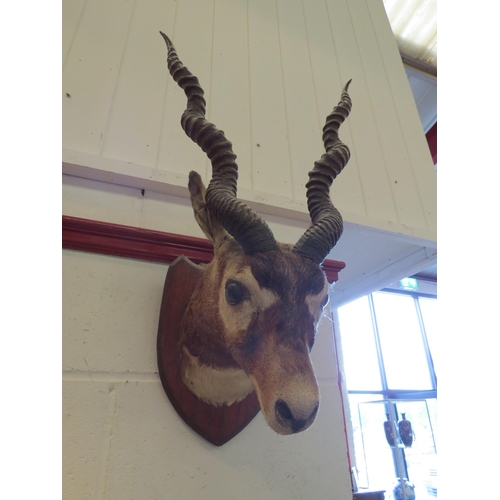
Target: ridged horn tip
346	87
167	40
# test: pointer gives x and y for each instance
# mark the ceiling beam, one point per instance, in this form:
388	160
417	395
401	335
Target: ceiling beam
414	63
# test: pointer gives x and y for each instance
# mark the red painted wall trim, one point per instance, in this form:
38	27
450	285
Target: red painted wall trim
145	244
431	137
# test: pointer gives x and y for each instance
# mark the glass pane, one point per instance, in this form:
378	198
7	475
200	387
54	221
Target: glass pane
381	453
428	308
432	405
380	462
374	461
358	346
420	458
401	342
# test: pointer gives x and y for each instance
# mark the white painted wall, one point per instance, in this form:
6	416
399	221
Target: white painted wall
272	71
281	66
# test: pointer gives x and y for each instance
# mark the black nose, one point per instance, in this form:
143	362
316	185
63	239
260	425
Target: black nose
285	416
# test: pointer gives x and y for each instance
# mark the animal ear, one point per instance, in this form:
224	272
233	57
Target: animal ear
212	229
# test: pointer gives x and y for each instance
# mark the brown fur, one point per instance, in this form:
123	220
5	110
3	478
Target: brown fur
268	335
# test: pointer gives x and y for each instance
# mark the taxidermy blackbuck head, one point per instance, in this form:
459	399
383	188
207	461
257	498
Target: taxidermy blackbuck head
252	320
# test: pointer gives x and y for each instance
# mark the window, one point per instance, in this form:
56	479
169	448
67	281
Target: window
390	365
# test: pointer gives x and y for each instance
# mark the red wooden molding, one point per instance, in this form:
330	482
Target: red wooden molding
431	137
133	242
145	244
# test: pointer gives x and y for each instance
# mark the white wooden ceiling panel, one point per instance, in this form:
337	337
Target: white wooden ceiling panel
414	23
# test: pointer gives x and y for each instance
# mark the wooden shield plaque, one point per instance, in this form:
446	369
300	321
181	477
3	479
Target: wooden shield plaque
217	424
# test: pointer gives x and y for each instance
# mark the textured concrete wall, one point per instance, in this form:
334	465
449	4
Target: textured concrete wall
122	439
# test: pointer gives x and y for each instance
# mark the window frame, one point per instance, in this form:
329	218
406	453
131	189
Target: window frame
390	396
402	394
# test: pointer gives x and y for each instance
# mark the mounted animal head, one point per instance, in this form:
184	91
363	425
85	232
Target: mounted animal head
252	320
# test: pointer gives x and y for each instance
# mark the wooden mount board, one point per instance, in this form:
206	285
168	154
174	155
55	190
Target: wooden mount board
216	424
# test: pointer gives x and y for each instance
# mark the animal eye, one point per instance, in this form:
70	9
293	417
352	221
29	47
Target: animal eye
235	293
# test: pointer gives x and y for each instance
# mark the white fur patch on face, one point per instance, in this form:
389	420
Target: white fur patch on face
314	303
238	317
212	385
